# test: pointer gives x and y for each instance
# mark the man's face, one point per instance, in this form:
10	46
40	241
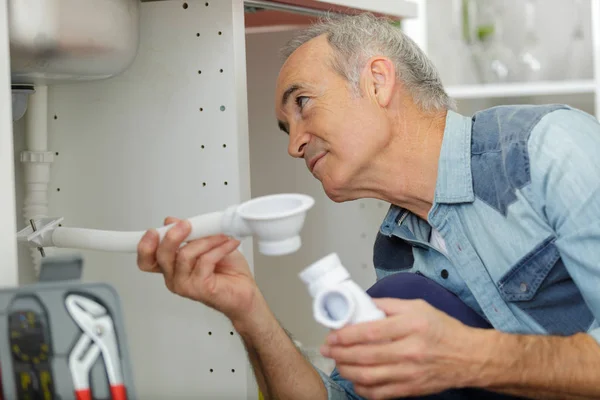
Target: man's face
336	131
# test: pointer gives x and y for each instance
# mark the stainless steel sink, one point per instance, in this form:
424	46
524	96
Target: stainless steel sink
55	41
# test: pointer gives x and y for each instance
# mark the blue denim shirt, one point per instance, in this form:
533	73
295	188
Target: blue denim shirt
517	201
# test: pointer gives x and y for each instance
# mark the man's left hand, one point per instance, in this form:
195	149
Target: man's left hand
416	350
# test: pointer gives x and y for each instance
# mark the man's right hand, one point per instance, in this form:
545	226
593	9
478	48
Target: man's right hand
210	270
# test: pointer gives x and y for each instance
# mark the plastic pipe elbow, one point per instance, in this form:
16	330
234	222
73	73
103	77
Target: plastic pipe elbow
337	300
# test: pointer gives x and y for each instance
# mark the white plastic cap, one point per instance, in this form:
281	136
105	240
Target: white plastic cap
319	268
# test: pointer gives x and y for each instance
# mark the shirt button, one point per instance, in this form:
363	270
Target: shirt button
523	287
444	274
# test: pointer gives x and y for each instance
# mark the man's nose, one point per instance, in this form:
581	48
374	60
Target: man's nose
297	143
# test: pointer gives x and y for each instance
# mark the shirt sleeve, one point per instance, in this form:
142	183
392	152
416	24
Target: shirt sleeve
564	153
337	387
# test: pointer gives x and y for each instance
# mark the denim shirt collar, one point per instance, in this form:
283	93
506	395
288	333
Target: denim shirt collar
454	181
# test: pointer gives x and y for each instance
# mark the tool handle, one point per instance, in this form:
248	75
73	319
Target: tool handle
83	394
118	392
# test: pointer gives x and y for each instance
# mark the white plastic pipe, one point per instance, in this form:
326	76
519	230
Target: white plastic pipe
36	161
36	137
276	220
127	242
337	300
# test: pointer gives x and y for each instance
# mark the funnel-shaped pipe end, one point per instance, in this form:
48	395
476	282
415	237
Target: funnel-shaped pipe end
277	221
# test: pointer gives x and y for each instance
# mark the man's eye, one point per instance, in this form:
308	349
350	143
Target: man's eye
301	101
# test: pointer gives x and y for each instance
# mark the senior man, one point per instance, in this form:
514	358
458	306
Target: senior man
501	210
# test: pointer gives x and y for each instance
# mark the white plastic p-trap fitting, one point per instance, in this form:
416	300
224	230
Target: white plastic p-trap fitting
337	300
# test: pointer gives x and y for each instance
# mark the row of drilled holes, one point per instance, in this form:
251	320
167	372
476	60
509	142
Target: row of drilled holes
203	183
232	370
222	108
57	189
224	183
210	334
185	5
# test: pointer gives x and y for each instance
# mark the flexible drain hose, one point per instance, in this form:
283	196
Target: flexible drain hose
127	242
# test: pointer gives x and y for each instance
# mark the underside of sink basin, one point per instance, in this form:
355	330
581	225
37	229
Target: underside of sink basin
54	41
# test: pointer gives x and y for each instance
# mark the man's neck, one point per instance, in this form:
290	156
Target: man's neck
408	170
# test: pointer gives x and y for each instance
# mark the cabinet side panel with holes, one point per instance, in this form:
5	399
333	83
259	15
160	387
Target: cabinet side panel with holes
166	138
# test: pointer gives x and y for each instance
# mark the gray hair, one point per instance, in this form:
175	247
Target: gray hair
356	38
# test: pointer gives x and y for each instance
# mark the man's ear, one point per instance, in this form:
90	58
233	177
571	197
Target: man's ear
380	79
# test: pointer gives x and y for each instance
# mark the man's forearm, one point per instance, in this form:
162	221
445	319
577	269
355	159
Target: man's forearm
539	366
281	370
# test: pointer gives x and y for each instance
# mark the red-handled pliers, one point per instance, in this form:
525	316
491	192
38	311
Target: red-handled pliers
98	337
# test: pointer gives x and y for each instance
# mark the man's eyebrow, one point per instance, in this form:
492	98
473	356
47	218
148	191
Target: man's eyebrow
289	91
